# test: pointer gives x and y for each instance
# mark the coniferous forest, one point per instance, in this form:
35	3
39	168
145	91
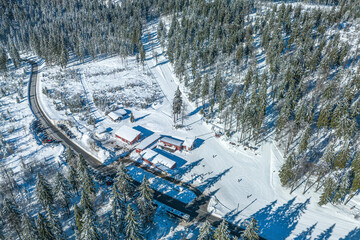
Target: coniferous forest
262	68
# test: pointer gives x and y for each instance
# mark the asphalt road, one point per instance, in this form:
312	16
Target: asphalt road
197	209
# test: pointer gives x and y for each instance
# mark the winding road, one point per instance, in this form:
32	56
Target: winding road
197	209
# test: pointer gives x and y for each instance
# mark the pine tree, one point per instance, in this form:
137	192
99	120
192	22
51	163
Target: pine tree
15	57
251	230
73	179
78	223
62	192
112	231
304	140
55	224
205	231
88	184
118	209
286	173
43	191
89	228
12	215
328	192
177	104
85	202
123	181
221	232
29	229
132	226
145	201
44	228
3	60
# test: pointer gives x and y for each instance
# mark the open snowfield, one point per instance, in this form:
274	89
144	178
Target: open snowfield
244	182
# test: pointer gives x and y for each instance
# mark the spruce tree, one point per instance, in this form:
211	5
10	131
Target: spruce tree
29	229
118	208
222	232
15	57
251	230
205	231
55	224
62	192
78	223
132	229
44	191
3	60
73	179
89	228
177	104
145	201
85	202
44	228
12	215
87	182
123	181
328	192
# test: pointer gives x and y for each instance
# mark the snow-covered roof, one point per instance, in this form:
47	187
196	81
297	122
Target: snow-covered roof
127	133
121	112
114	116
148	141
172	141
189	142
158	159
149	154
161	159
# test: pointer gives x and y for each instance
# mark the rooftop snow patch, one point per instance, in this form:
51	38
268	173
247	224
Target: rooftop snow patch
118	114
172	141
148	141
158	159
189	142
127	133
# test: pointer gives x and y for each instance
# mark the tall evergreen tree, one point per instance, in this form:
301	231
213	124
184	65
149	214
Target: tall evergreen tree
73	179
251	230
15	57
78	222
87	182
205	231
12	215
132	229
3	60
222	232
145	201
44	228
55	224
89	228
177	104
44	191
123	181
29	229
118	208
62	192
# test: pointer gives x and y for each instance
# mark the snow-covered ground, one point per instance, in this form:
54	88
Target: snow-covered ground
244	182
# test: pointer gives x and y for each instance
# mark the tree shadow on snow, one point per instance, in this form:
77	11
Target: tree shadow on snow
211	181
181	171
198	142
144	131
353	234
306	234
282	221
326	234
